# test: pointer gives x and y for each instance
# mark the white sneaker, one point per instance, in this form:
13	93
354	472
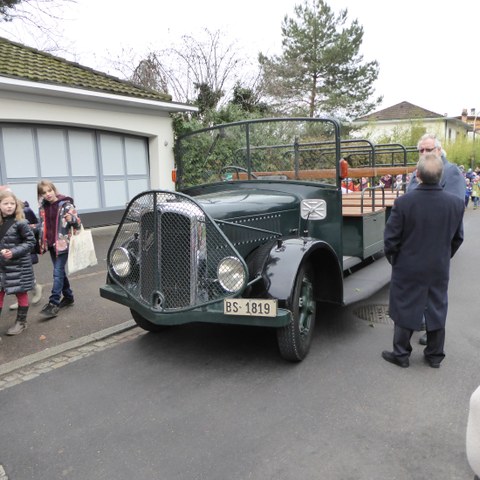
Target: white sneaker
13	306
37	294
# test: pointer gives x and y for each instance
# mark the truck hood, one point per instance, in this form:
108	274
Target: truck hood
233	204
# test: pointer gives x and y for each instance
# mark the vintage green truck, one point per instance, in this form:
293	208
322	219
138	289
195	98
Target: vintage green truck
261	229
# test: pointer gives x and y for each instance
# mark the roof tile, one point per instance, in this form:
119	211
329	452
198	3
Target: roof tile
26	63
400	111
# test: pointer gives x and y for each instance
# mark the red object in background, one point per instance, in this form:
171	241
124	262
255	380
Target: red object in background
343	168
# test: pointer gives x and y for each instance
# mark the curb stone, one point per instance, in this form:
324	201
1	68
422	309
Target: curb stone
33	365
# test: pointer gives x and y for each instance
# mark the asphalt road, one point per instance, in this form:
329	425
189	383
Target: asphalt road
218	403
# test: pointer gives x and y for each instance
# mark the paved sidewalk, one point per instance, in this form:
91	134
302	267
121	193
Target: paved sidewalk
89	319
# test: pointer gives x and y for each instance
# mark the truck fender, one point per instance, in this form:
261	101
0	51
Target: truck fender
285	260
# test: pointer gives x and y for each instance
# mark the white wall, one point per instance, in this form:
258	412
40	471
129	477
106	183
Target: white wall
373	131
154	124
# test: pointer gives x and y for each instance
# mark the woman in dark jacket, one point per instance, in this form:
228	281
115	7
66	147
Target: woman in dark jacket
16	271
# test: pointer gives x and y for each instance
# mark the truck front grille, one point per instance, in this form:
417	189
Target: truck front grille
168	245
176	249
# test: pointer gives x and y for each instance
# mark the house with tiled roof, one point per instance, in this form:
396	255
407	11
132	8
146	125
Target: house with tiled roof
403	116
98	138
472	118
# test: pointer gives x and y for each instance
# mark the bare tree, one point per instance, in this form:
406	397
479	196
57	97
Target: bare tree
149	73
196	65
39	21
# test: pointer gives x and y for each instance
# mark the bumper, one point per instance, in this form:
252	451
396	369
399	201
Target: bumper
212	313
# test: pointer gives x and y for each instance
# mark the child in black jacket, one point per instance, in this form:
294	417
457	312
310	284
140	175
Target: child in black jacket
16	244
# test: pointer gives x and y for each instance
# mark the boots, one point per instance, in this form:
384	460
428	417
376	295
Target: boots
20	322
37	294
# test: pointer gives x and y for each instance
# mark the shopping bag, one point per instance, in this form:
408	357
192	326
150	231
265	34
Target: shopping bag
81	251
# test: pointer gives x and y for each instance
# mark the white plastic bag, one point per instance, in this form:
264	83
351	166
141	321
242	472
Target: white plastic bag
81	251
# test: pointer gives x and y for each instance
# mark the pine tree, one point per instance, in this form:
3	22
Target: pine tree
320	70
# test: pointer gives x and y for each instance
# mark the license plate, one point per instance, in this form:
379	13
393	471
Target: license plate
250	307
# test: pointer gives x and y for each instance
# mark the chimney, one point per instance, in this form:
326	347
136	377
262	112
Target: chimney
472	112
464	115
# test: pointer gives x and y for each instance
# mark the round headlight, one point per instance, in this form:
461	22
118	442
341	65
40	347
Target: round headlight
231	274
120	259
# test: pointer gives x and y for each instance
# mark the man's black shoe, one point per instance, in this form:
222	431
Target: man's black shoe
432	363
423	339
66	302
50	310
390	357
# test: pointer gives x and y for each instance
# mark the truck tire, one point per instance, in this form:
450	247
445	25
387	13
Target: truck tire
295	338
142	322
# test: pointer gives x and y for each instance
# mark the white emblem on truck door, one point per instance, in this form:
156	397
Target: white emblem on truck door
312	209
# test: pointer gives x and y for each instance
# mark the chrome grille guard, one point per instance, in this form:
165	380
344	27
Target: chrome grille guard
167	254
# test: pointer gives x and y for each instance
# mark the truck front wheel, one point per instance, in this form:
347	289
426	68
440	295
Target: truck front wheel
294	339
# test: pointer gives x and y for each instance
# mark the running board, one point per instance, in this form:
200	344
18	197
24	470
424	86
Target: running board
366	281
350	262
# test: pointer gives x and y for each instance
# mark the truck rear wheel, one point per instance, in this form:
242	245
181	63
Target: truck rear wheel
142	322
294	339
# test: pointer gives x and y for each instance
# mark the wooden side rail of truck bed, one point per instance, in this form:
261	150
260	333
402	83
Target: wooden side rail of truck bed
357	172
357	211
356	198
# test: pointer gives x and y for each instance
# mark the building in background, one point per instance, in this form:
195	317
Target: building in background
472	119
403	116
98	138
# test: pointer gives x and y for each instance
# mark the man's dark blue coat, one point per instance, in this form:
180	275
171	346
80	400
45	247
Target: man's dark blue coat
423	231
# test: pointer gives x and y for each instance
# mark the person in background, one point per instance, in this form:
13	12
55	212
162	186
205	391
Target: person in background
364	183
422	233
452	180
37	288
57	216
398	182
16	271
468	192
350	184
475	191
386	181
470	174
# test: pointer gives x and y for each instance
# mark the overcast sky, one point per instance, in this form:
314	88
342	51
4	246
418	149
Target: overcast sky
428	51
